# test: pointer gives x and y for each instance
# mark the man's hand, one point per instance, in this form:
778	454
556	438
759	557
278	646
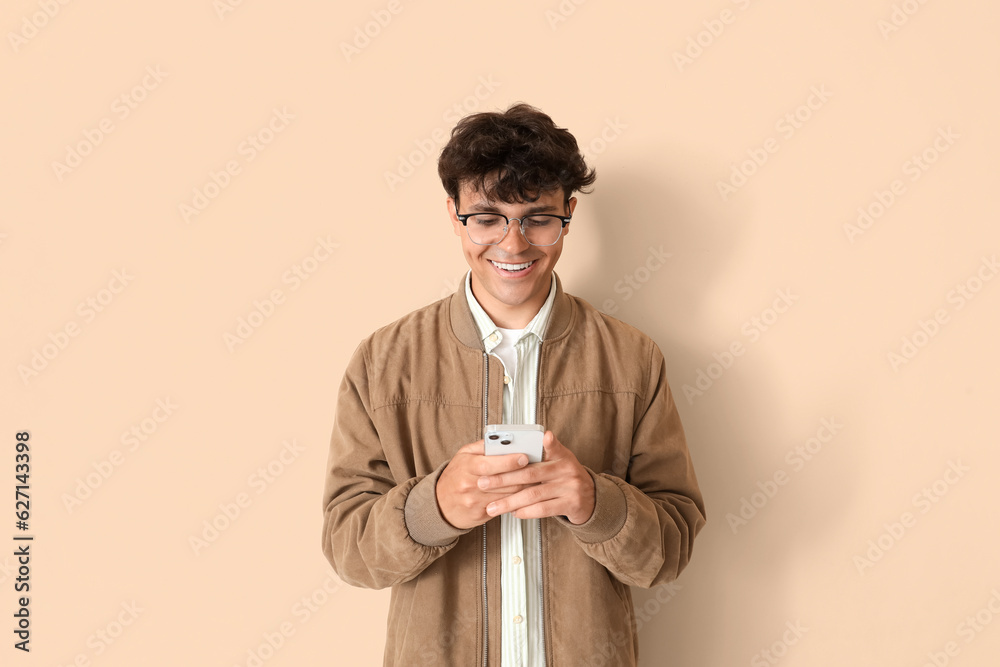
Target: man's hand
558	485
461	499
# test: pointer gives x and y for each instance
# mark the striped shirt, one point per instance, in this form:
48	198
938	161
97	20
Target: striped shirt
520	574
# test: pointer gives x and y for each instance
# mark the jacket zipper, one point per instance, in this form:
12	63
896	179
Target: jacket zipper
541	592
541	583
486	611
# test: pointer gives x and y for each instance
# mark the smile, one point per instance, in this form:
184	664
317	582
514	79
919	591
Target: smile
512	269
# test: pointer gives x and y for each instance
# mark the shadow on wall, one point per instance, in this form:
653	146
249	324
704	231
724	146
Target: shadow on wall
682	623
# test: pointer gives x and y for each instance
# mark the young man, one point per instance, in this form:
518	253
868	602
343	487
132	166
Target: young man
493	560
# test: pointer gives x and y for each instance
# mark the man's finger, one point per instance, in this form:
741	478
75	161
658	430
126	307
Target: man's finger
526	475
476	447
534	493
506	490
492	465
546	508
549	445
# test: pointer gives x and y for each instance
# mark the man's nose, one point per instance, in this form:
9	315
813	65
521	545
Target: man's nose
514	242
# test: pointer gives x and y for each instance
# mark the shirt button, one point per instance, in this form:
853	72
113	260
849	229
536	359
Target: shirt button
493	337
518	619
506	379
516	560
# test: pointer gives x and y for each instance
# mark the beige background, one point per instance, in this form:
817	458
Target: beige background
662	134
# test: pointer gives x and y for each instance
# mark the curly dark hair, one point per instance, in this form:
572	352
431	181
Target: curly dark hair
513	157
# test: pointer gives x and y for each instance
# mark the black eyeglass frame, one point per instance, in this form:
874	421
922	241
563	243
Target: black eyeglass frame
463	218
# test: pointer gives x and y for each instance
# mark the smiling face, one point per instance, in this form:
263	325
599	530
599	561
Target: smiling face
510	298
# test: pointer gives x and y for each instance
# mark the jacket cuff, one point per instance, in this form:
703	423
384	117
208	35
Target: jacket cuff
422	515
609	514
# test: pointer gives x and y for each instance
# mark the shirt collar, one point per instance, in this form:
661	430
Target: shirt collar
490	333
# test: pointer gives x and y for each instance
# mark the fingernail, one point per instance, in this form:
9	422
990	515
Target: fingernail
482	482
491	509
522	461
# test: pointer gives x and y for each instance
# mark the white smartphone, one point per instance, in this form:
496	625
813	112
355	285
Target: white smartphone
515	438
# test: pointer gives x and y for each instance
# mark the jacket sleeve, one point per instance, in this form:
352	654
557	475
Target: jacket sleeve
377	530
643	527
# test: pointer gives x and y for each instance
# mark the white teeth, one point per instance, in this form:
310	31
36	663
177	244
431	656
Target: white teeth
513	267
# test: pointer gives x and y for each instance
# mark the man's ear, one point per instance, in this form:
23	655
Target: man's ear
572	206
453	215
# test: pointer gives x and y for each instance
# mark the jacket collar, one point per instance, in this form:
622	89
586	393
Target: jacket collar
464	324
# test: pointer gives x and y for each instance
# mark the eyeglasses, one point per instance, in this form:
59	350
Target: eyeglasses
490	228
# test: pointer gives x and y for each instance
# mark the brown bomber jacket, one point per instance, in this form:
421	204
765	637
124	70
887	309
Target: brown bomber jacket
414	392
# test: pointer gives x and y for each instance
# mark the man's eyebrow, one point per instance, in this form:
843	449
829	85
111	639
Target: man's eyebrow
483	206
537	208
